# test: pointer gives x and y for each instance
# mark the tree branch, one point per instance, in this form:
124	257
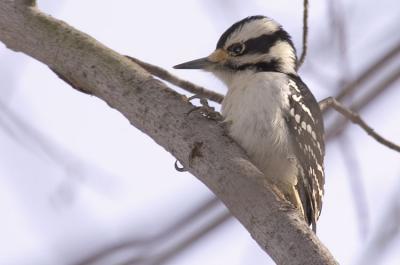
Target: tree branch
355	118
305	34
156	240
354	176
184	84
25	2
166	255
385	234
160	112
368	73
339	125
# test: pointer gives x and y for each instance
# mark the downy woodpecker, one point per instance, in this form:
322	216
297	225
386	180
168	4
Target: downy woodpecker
270	112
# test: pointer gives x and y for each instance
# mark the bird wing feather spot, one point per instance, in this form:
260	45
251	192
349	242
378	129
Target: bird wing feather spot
304	122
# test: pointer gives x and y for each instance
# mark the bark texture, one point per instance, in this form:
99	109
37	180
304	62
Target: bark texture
161	113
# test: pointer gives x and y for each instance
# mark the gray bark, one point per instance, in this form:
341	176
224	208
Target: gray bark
161	113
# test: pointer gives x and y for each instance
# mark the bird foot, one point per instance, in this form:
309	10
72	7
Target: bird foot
205	109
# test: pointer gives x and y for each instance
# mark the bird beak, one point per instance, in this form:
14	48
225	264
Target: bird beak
201	63
214	58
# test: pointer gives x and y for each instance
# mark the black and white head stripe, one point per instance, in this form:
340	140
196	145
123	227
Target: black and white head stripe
262	26
305	123
266	46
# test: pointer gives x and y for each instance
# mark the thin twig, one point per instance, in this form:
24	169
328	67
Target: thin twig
187	242
28	136
355	118
356	185
305	34
380	88
386	233
338	23
188	86
369	72
154	241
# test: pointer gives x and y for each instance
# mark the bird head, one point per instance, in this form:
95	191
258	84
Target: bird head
256	44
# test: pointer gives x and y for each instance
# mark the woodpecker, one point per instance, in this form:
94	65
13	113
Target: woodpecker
269	110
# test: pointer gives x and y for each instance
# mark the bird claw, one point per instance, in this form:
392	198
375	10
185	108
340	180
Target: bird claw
180	168
205	109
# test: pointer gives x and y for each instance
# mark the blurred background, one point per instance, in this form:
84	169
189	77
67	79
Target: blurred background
79	185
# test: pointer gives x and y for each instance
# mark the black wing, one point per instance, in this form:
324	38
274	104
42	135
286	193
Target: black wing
305	124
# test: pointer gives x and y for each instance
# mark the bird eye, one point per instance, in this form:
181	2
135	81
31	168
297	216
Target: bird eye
236	49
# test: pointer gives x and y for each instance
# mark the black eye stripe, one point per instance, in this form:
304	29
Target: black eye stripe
263	43
271	66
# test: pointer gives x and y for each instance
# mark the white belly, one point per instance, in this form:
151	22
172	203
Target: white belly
254	109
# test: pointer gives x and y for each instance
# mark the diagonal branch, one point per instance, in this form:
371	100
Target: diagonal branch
168	254
356	185
355	118
153	241
368	73
186	85
379	89
385	234
160	112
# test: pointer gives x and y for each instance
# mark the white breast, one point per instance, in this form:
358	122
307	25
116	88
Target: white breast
254	107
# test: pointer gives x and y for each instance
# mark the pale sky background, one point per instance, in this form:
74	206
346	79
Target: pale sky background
75	175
